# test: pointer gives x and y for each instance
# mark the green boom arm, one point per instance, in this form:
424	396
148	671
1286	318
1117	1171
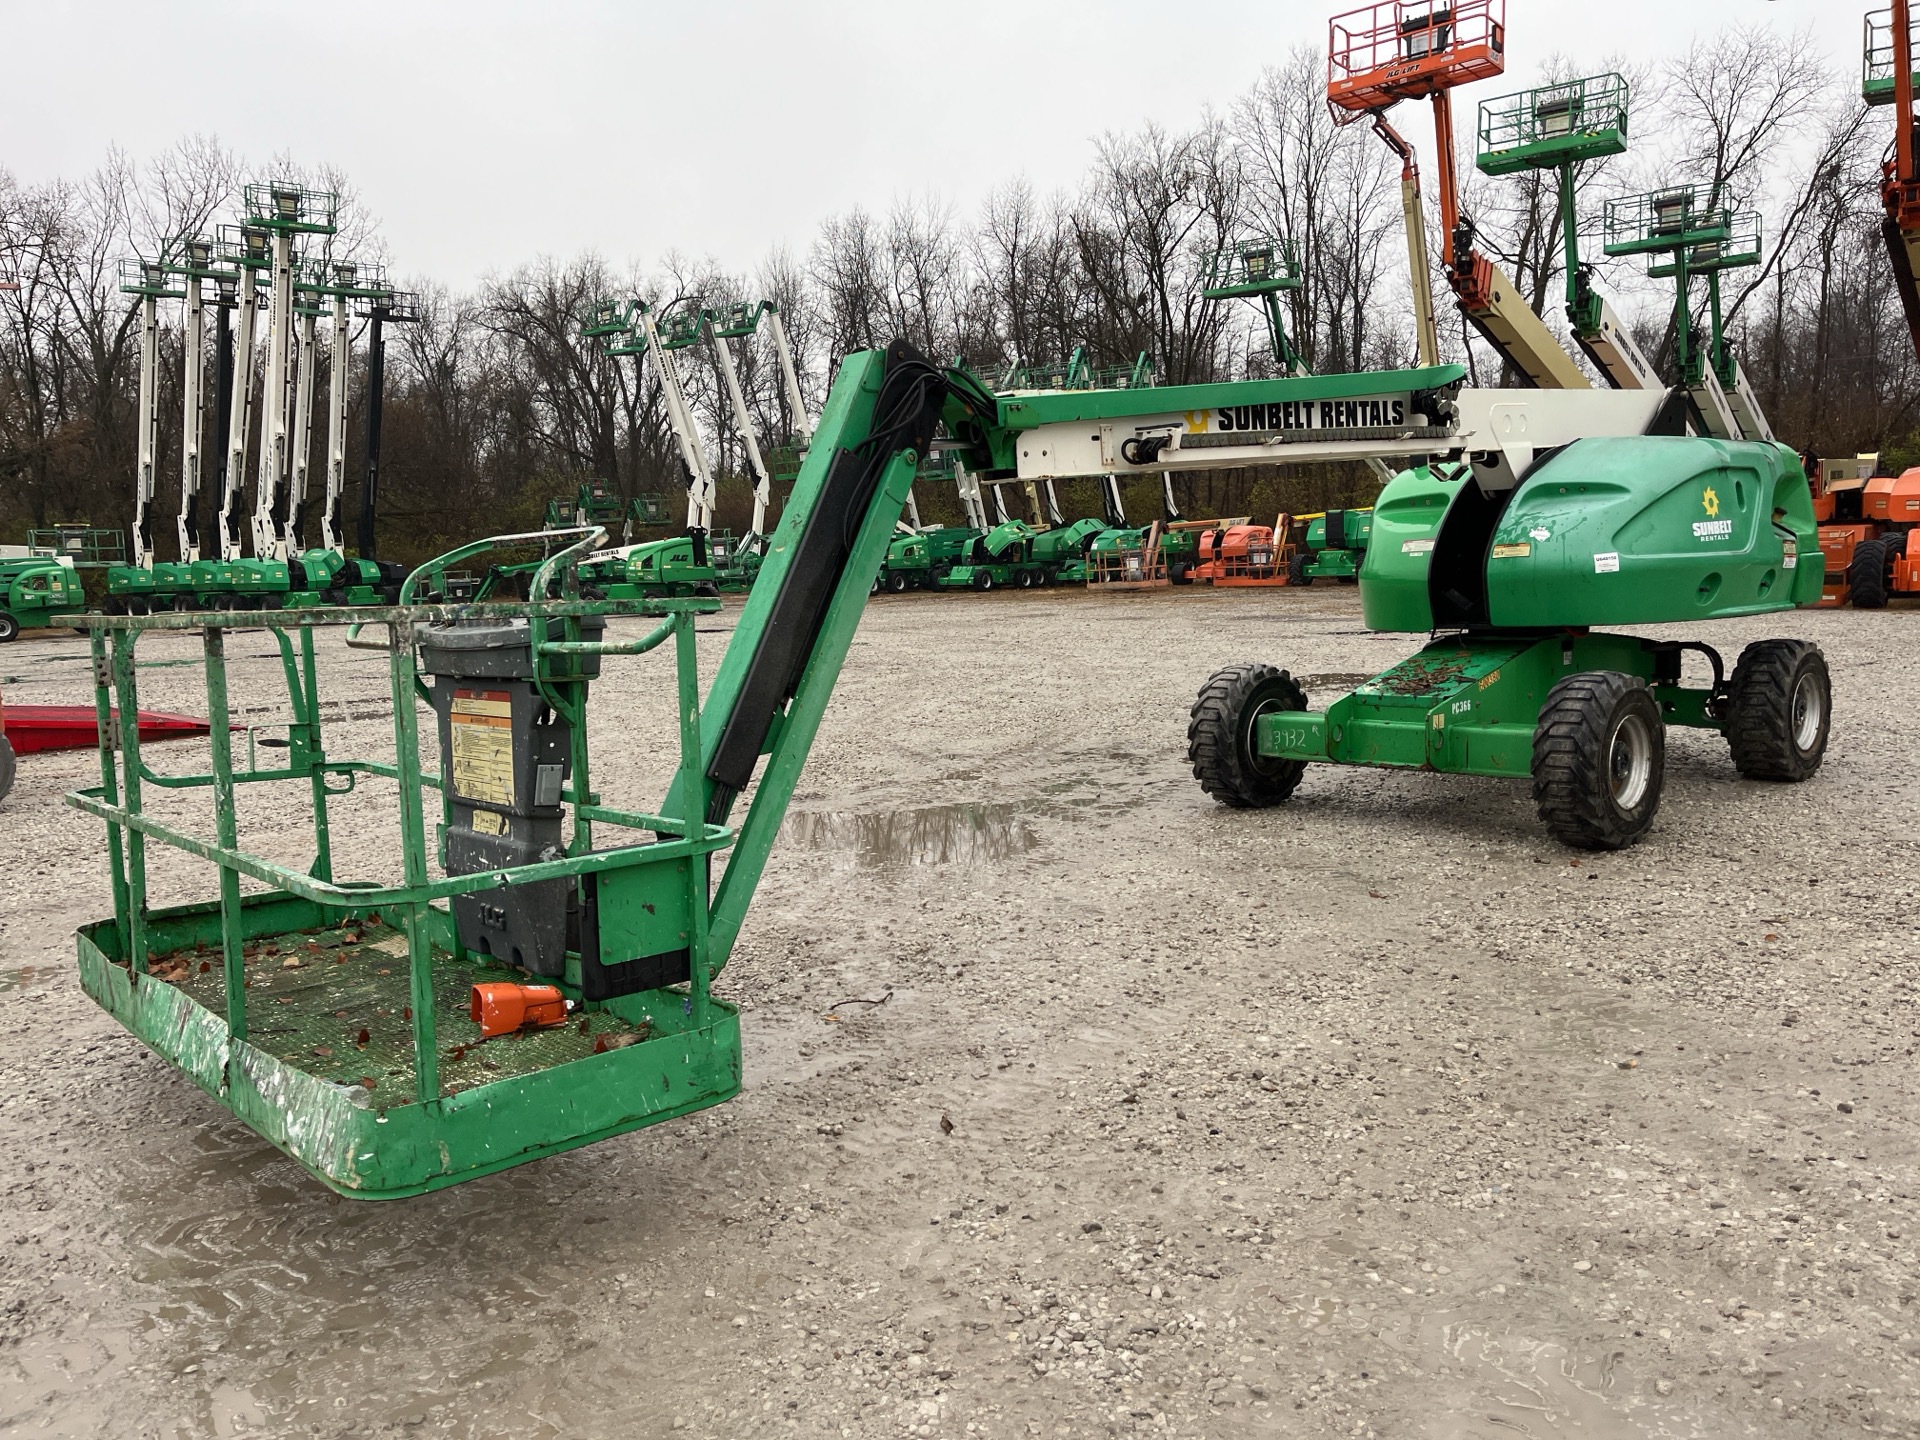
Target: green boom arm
792	639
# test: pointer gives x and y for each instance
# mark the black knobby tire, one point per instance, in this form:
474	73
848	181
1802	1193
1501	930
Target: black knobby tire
1779	710
1599	760
897	581
7	766
1179	574
1220	736
9	627
982	580
1297	569
1023	579
1867	576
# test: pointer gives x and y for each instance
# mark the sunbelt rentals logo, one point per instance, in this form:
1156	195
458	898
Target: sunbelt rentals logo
1711	528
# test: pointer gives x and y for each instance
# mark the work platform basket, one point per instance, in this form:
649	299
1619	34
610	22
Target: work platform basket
331	1012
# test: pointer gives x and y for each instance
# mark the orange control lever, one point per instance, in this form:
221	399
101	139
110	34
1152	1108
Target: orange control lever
502	1007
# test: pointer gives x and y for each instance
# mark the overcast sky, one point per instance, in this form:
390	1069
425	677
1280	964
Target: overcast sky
484	133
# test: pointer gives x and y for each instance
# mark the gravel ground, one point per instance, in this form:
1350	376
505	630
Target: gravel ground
1378	1114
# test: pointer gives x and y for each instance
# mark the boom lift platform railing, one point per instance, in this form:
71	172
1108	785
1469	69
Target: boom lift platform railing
1558	127
1391	51
1697	236
1262	268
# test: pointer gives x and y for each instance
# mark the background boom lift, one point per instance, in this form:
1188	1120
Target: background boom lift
1391	51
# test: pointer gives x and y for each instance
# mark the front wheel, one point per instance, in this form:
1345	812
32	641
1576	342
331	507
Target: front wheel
1220	736
1599	760
7	766
982	580
1297	569
9	627
1779	708
897	582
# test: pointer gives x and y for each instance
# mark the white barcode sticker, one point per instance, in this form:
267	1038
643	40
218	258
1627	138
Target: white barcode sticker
1606	564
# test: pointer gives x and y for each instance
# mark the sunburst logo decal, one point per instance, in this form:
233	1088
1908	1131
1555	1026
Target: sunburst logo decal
1710	502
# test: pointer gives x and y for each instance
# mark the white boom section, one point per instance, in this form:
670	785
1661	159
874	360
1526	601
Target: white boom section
149	432
762	482
302	439
968	484
1613	350
680	419
1746	408
1000	515
1371	426
1715	411
193	413
1522	337
240	416
273	402
912	523
336	426
802	430
1116	510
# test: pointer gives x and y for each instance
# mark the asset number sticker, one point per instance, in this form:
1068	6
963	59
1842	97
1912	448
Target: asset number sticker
1790	557
1512	552
1606	564
1416	547
482	745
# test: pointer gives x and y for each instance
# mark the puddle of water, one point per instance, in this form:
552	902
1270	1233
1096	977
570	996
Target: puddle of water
1513	1384
931	835
967	834
22	977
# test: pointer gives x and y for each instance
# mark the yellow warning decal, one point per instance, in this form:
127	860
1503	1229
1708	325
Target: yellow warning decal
488	822
482	745
1512	552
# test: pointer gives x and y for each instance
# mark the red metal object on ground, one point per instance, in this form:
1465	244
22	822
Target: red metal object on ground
501	1007
33	728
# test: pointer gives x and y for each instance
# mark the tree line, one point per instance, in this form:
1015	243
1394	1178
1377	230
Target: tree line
495	401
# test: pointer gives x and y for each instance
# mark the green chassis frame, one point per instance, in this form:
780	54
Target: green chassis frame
1469	703
687	1050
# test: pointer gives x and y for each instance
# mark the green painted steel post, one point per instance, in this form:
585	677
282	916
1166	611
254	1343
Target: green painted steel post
322	830
694	790
413	845
124	642
1570	240
227	831
110	785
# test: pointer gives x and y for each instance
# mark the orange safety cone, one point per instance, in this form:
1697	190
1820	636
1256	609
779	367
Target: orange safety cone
502	1007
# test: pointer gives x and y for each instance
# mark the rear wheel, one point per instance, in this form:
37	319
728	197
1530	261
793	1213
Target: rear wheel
1780	706
1024	579
1179	574
1297	569
982	580
7	766
1599	760
9	627
1867	576
1220	736
897	581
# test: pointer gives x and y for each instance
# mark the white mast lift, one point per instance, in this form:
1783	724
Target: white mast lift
196	267
283	209
296	502
148	280
247	252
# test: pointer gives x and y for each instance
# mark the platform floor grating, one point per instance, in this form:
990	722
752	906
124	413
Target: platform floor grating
335	1003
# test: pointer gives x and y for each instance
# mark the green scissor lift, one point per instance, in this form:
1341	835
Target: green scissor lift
329	1011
